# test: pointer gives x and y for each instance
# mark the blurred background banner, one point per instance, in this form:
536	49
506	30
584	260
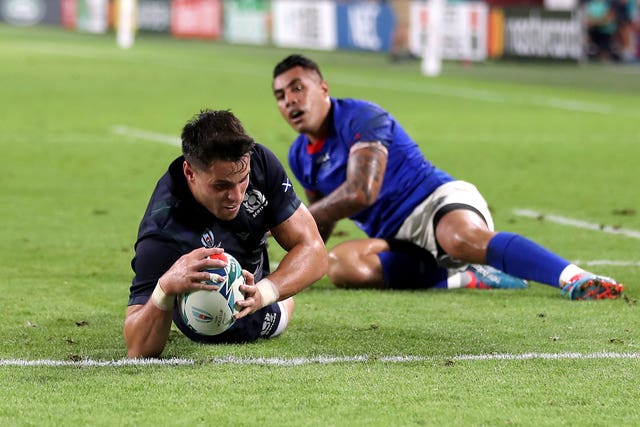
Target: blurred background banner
364	25
464	30
472	31
154	15
247	21
539	33
201	19
92	16
305	24
30	12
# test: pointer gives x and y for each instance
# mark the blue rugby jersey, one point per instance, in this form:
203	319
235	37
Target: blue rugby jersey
175	224
409	177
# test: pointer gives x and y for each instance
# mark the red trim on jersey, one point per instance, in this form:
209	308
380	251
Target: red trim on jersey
315	147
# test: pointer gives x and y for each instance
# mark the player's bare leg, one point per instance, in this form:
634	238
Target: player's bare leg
355	264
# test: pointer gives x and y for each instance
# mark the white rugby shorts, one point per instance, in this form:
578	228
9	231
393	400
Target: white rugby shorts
419	227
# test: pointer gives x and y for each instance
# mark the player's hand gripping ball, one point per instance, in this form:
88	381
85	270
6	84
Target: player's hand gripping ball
211	312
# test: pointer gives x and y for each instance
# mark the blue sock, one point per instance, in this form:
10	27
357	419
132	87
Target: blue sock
522	258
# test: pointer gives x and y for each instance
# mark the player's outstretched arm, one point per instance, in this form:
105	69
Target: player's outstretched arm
146	327
305	262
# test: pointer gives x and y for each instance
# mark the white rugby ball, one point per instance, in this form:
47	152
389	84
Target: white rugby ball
211	312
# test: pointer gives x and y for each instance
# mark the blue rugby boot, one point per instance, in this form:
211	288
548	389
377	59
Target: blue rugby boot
487	277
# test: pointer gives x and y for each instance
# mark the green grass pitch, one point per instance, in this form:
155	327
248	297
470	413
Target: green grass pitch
86	129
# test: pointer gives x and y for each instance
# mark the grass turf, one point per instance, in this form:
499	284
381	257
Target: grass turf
559	139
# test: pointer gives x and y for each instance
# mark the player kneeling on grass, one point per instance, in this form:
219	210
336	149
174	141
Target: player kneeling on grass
225	192
355	160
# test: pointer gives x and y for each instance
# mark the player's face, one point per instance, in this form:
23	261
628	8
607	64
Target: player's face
303	100
221	188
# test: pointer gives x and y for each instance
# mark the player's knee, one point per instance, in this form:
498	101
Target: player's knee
352	272
470	246
336	270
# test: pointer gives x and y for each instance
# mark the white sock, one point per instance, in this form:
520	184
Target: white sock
569	273
459	279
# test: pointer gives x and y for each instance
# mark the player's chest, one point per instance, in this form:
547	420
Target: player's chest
327	169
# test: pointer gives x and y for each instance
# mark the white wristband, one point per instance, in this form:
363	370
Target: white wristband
161	300
269	292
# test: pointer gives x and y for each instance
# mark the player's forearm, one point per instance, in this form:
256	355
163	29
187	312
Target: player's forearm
300	268
342	203
146	331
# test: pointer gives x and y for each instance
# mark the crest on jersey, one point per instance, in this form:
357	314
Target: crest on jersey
254	202
207	239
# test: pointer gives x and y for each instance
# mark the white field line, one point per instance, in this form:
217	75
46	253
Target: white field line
478	95
146	135
572	222
608	262
320	360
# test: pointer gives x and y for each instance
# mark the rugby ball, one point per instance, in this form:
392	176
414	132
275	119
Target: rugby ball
211	312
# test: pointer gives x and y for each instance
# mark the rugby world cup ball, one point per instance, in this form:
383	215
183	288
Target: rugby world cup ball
211	312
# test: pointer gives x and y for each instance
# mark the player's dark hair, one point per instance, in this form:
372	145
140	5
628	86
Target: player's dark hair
214	135
293	61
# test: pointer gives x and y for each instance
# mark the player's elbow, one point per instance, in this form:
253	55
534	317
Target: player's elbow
137	345
359	200
321	258
138	350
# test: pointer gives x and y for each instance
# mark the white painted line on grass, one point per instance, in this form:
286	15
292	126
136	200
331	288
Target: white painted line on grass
473	94
95	363
572	222
608	262
145	134
320	360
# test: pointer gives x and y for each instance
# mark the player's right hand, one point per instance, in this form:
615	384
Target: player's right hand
186	274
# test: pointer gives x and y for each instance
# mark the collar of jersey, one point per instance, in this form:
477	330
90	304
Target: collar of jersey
315	148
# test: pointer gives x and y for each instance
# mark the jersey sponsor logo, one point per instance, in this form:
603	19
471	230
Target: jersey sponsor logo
268	324
254	202
207	239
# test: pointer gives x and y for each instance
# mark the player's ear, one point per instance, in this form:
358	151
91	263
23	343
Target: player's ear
325	87
188	171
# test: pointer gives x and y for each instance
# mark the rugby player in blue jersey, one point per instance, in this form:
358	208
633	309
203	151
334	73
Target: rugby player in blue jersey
355	161
225	193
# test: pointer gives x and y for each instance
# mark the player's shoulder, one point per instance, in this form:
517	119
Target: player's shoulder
263	157
354	107
168	202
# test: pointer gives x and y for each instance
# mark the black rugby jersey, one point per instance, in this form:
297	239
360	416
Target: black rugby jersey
175	224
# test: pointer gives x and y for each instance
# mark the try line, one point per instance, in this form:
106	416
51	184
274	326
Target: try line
320	360
572	222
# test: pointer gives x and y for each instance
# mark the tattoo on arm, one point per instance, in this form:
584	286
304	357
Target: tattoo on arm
365	171
365	174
